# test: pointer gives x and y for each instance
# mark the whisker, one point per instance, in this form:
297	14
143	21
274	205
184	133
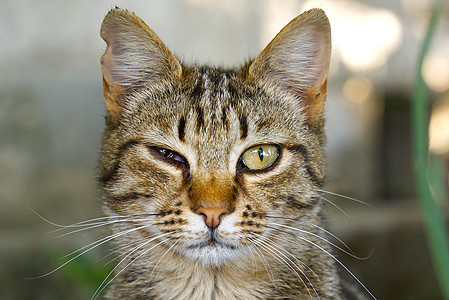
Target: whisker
264	262
341	264
231	267
336	206
99	290
94	221
334	258
279	250
103	285
100	224
106	239
120	251
154	268
317	236
81	223
94	225
253	259
104	221
281	260
294	257
89	248
44	219
85	222
347	198
278	255
322	229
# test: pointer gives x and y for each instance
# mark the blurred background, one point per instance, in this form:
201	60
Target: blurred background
51	120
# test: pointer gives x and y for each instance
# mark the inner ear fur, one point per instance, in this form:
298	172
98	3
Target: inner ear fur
297	61
135	58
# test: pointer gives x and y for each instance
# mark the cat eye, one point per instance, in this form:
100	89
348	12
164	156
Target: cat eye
260	157
170	155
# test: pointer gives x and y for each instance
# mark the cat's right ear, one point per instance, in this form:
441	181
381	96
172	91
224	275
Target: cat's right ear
135	58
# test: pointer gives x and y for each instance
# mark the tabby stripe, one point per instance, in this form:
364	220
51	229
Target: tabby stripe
199	118
129	197
224	117
302	150
198	90
261	124
243	127
292	201
319	182
105	178
182	129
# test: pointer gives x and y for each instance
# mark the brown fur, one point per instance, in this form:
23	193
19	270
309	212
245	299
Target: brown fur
266	245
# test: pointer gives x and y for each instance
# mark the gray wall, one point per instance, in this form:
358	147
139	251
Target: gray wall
51	106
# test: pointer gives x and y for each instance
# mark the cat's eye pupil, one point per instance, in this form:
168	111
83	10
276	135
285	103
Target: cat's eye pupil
166	153
261	154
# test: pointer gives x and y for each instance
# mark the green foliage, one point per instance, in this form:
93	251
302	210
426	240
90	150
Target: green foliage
434	221
86	271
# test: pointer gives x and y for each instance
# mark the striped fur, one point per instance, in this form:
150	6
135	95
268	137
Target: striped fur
172	145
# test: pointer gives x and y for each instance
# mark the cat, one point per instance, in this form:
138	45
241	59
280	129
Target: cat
211	176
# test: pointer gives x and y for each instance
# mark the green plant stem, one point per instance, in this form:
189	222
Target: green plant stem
434	220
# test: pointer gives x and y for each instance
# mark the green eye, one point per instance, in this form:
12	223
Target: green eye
260	157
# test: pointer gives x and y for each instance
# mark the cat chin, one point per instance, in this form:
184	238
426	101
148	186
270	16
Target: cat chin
212	254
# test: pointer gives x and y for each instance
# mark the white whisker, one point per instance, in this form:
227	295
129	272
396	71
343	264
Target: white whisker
339	262
84	223
280	250
253	259
154	268
89	248
105	239
103	285
264	262
322	229
281	257
317	236
285	239
347	197
120	251
96	225
335	205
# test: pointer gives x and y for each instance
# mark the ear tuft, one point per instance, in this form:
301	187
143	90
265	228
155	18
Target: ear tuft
297	60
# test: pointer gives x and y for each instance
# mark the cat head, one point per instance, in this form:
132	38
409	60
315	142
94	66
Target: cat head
205	158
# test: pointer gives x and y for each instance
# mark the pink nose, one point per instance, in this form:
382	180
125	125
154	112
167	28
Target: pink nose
212	215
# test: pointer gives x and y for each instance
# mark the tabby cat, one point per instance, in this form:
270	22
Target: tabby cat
212	177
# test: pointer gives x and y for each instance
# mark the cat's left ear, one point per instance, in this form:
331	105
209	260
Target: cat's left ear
135	58
297	62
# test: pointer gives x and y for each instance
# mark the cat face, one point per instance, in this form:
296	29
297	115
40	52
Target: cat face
202	160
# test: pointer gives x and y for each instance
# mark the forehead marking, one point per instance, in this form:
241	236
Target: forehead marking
243	127
210	98
182	129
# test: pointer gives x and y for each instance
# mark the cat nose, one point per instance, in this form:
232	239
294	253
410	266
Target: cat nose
213	215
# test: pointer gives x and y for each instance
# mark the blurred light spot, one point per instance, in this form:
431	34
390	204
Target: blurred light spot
439	128
357	89
275	17
368	38
363	37
435	72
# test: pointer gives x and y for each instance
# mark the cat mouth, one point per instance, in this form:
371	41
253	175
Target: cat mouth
212	243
